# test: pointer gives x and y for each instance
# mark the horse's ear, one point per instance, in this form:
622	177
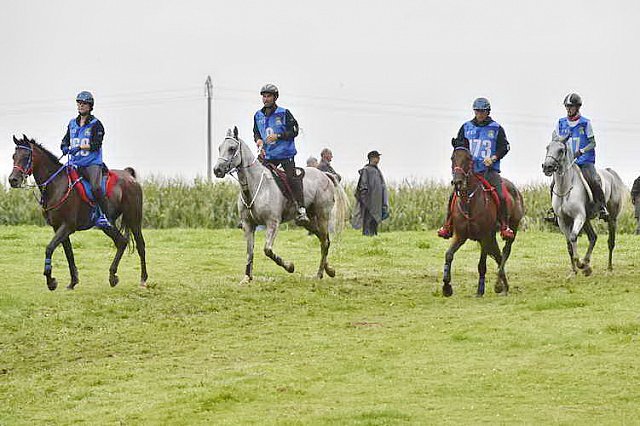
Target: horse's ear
16	141
235	132
25	138
229	134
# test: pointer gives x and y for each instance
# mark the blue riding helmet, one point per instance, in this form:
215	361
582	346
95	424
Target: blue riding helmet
85	96
482	104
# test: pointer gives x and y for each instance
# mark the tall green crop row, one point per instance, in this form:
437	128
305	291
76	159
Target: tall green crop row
177	203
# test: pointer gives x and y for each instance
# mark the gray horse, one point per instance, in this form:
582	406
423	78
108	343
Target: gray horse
261	202
570	197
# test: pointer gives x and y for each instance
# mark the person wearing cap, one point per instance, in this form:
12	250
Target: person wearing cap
578	129
487	142
371	196
83	144
274	131
325	163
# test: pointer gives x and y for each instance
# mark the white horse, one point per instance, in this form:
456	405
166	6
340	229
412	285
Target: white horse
571	194
261	202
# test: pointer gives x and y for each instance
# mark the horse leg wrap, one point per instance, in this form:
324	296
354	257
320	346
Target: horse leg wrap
47	266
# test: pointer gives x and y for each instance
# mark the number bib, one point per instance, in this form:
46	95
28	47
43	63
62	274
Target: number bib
482	144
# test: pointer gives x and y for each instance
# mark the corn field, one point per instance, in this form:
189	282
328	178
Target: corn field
177	203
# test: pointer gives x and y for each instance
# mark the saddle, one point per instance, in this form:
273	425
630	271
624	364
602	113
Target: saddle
494	193
283	183
83	188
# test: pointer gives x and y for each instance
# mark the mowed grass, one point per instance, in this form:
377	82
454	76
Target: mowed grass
376	345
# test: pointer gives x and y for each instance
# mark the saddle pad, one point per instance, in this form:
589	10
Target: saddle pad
84	188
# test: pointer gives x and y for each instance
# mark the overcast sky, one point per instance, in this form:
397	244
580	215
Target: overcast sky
398	77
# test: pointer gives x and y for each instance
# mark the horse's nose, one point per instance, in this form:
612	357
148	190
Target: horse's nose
217	172
13	181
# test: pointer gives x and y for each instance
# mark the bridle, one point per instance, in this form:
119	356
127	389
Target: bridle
232	170
28	170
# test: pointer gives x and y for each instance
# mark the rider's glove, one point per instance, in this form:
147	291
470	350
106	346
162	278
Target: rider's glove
65	149
74	150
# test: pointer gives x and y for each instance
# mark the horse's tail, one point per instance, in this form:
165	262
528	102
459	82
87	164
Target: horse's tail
341	208
618	191
132	208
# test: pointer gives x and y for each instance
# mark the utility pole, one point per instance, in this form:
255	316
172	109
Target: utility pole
208	91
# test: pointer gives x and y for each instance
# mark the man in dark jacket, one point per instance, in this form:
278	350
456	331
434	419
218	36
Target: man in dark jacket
372	197
635	199
325	163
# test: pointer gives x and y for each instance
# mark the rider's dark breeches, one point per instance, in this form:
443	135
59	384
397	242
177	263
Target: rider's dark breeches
93	174
593	179
289	166
494	178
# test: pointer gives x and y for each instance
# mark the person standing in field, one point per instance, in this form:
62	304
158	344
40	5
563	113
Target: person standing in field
635	199
274	131
83	144
372	197
325	163
487	142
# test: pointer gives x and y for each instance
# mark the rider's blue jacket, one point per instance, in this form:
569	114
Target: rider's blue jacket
278	121
579	131
92	134
483	139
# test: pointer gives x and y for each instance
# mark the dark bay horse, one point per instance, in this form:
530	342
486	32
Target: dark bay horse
66	212
474	217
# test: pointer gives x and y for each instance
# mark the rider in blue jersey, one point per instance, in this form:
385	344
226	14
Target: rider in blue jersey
83	144
487	142
274	131
583	143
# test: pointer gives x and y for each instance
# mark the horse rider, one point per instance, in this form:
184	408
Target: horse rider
487	142
583	143
83	144
274	131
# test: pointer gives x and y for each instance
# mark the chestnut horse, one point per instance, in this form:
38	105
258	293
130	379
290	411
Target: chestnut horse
66	212
474	214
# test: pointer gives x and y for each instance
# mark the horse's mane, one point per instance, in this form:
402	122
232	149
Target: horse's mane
48	153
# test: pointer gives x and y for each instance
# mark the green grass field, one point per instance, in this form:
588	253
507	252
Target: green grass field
376	345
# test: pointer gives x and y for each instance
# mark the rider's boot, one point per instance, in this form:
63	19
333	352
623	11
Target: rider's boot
505	231
301	215
445	230
102	221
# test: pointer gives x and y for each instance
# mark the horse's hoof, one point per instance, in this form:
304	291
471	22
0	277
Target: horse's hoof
71	286
580	265
289	267
143	284
319	275
113	280
447	290
52	284
479	295
587	271
330	271
246	280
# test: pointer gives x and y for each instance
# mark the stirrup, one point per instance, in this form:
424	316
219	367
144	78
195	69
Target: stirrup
445	232
302	218
604	214
102	222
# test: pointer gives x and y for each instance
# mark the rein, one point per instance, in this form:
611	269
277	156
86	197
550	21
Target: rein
28	171
240	166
